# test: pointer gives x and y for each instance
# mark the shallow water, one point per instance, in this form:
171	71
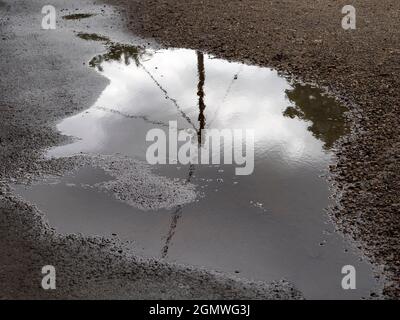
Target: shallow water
78	16
264	226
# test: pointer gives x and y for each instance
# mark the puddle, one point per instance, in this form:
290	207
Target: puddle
78	16
92	37
265	226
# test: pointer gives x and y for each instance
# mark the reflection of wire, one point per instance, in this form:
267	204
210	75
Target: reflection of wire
184	115
228	90
131	116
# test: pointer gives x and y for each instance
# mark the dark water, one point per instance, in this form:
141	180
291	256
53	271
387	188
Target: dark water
78	16
264	226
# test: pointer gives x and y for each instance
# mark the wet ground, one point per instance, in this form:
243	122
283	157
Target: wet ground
47	85
305	39
43	81
265	226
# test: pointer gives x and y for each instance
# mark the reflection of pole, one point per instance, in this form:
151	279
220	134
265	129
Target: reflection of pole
174	222
202	123
175	218
200	94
